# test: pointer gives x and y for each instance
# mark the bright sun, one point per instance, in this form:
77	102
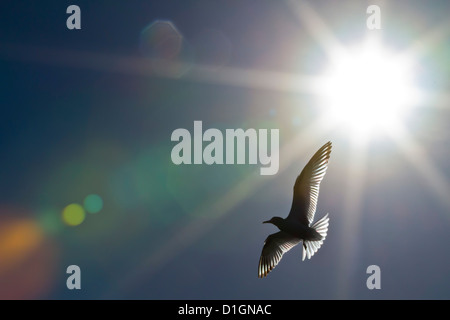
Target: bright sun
368	88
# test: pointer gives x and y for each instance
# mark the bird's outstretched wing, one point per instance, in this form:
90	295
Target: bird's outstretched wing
275	246
306	187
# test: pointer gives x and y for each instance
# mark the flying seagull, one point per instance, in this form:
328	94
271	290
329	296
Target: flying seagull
297	226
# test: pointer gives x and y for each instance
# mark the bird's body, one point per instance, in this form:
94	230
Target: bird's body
296	229
298	225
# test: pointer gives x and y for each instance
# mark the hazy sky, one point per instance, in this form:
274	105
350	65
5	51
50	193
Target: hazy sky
91	111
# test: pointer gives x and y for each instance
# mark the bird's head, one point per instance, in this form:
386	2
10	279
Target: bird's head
275	220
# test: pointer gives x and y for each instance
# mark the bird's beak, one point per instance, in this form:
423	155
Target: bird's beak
266	221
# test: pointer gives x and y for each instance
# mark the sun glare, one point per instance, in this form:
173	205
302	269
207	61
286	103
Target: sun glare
368	88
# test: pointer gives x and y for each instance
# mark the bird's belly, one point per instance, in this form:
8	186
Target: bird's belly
301	231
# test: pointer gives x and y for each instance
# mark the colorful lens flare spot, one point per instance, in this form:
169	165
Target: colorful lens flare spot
93	203
73	214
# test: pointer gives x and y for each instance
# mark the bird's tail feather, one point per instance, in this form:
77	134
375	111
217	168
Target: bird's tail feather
311	247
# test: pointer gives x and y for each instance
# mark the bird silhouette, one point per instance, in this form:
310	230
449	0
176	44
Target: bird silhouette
297	226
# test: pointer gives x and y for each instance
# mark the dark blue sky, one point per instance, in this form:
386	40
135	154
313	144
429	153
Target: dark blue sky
88	112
